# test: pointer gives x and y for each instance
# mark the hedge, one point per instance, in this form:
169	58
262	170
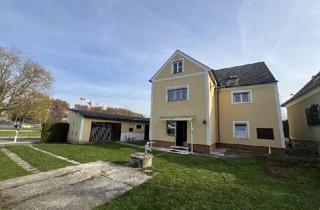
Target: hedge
54	132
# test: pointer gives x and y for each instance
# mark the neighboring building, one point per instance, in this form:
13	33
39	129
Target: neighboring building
303	110
93	127
200	108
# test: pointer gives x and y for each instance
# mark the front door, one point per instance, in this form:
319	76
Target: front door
181	133
146	132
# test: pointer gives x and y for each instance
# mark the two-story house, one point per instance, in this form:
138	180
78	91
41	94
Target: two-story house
200	108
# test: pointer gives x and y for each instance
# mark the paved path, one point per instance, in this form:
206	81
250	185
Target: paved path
56	156
25	165
82	186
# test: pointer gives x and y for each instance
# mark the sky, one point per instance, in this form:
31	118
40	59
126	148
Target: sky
107	50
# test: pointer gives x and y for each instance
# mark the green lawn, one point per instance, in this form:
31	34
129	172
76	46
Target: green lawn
9	169
37	159
137	142
22	132
87	153
195	182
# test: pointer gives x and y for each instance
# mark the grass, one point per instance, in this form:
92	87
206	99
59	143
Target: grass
137	142
37	159
9	169
22	132
87	153
196	182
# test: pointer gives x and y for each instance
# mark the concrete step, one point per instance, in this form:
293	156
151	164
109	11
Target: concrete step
179	152
180	148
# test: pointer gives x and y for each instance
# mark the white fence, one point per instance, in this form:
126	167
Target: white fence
16	138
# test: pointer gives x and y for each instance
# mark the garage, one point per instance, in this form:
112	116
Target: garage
87	127
104	132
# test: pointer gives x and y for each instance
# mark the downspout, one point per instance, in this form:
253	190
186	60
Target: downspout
191	128
218	115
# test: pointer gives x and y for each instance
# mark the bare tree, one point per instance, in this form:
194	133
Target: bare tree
20	79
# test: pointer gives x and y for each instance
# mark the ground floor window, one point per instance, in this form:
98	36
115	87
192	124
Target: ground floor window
265	133
241	129
171	128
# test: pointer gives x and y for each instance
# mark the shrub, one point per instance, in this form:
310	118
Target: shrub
54	132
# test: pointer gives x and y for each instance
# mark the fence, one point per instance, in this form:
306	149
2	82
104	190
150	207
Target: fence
19	136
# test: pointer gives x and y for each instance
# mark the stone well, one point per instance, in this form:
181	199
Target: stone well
141	160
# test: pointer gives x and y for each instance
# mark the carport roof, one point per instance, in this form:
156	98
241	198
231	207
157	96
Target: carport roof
107	116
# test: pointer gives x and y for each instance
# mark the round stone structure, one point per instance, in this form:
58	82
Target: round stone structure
141	160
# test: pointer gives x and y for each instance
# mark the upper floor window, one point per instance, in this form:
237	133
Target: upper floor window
239	97
177	66
138	126
178	94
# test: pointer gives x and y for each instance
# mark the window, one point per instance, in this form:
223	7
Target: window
177	66
241	130
130	129
179	94
265	133
138	127
313	115
241	97
171	128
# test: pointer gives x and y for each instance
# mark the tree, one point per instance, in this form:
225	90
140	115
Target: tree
21	79
122	111
81	107
37	109
58	110
96	109
111	110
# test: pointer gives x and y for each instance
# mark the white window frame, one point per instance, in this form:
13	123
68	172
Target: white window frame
177	87
241	91
175	128
172	65
234	129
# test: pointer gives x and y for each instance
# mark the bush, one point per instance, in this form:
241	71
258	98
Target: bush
54	132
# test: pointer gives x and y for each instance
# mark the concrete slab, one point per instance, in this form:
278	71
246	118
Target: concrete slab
83	186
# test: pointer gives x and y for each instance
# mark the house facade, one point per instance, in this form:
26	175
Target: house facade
93	127
200	108
303	110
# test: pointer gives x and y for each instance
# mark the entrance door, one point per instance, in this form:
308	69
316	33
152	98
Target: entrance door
146	132
181	133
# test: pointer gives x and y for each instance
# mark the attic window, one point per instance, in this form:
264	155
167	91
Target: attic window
177	66
233	77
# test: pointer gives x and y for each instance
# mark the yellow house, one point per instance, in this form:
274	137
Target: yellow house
303	110
94	127
196	107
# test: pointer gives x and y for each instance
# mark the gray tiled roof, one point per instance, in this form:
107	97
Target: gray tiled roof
312	84
107	116
249	74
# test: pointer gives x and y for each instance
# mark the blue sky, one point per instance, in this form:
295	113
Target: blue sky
106	51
